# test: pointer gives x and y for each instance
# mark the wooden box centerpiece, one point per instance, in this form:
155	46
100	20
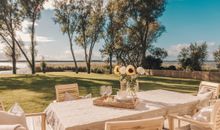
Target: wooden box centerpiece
112	101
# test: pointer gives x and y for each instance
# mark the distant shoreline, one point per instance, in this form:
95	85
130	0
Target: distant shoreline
21	61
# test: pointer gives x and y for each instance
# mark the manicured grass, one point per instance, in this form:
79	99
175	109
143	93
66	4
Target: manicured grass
35	93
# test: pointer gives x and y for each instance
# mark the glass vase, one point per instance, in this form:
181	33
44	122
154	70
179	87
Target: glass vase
131	91
123	85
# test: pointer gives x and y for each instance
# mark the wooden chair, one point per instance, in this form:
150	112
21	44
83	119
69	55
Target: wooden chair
214	124
35	121
72	89
144	124
215	87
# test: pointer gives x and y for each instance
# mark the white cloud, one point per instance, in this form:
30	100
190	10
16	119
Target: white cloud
1	47
25	35
2	55
25	24
174	50
212	46
49	5
79	53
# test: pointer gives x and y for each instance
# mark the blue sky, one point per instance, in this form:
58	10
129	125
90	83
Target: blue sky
186	21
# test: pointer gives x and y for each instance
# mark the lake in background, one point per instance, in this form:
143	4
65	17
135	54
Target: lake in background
208	65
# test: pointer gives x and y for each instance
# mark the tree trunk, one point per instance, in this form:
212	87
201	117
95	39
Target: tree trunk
85	47
88	67
89	63
72	52
23	52
13	54
74	59
13	57
143	54
110	63
13	47
33	47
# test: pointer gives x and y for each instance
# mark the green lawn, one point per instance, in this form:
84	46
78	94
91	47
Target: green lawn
34	93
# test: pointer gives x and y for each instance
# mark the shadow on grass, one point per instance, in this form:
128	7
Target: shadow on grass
44	92
171	80
45	84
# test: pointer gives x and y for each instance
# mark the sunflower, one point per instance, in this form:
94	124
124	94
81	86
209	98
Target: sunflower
116	70
140	70
122	70
130	70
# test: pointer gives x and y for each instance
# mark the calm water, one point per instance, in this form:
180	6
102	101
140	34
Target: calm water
24	65
19	65
210	65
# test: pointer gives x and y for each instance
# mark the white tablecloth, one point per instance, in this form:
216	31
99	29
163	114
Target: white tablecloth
83	115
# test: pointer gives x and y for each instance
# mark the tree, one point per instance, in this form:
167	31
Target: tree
90	26
155	59
158	52
193	56
10	53
184	58
11	17
216	55
140	19
66	16
110	31
152	62
31	9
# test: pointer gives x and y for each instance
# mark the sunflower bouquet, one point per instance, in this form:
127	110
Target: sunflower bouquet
128	76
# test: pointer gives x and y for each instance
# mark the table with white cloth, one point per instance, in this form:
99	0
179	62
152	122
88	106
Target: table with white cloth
83	115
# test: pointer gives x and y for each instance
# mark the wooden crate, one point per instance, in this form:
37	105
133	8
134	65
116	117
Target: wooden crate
101	101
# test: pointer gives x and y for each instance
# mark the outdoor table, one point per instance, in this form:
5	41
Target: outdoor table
83	115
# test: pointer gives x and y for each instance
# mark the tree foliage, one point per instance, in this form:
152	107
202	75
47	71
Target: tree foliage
193	57
66	16
10	54
140	20
216	55
155	59
32	11
111	31
11	17
158	52
132	27
90	26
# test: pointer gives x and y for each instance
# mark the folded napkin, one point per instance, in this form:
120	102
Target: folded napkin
12	127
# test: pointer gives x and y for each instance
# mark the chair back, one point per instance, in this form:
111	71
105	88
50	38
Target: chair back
144	124
215	87
72	89
215	115
2	106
